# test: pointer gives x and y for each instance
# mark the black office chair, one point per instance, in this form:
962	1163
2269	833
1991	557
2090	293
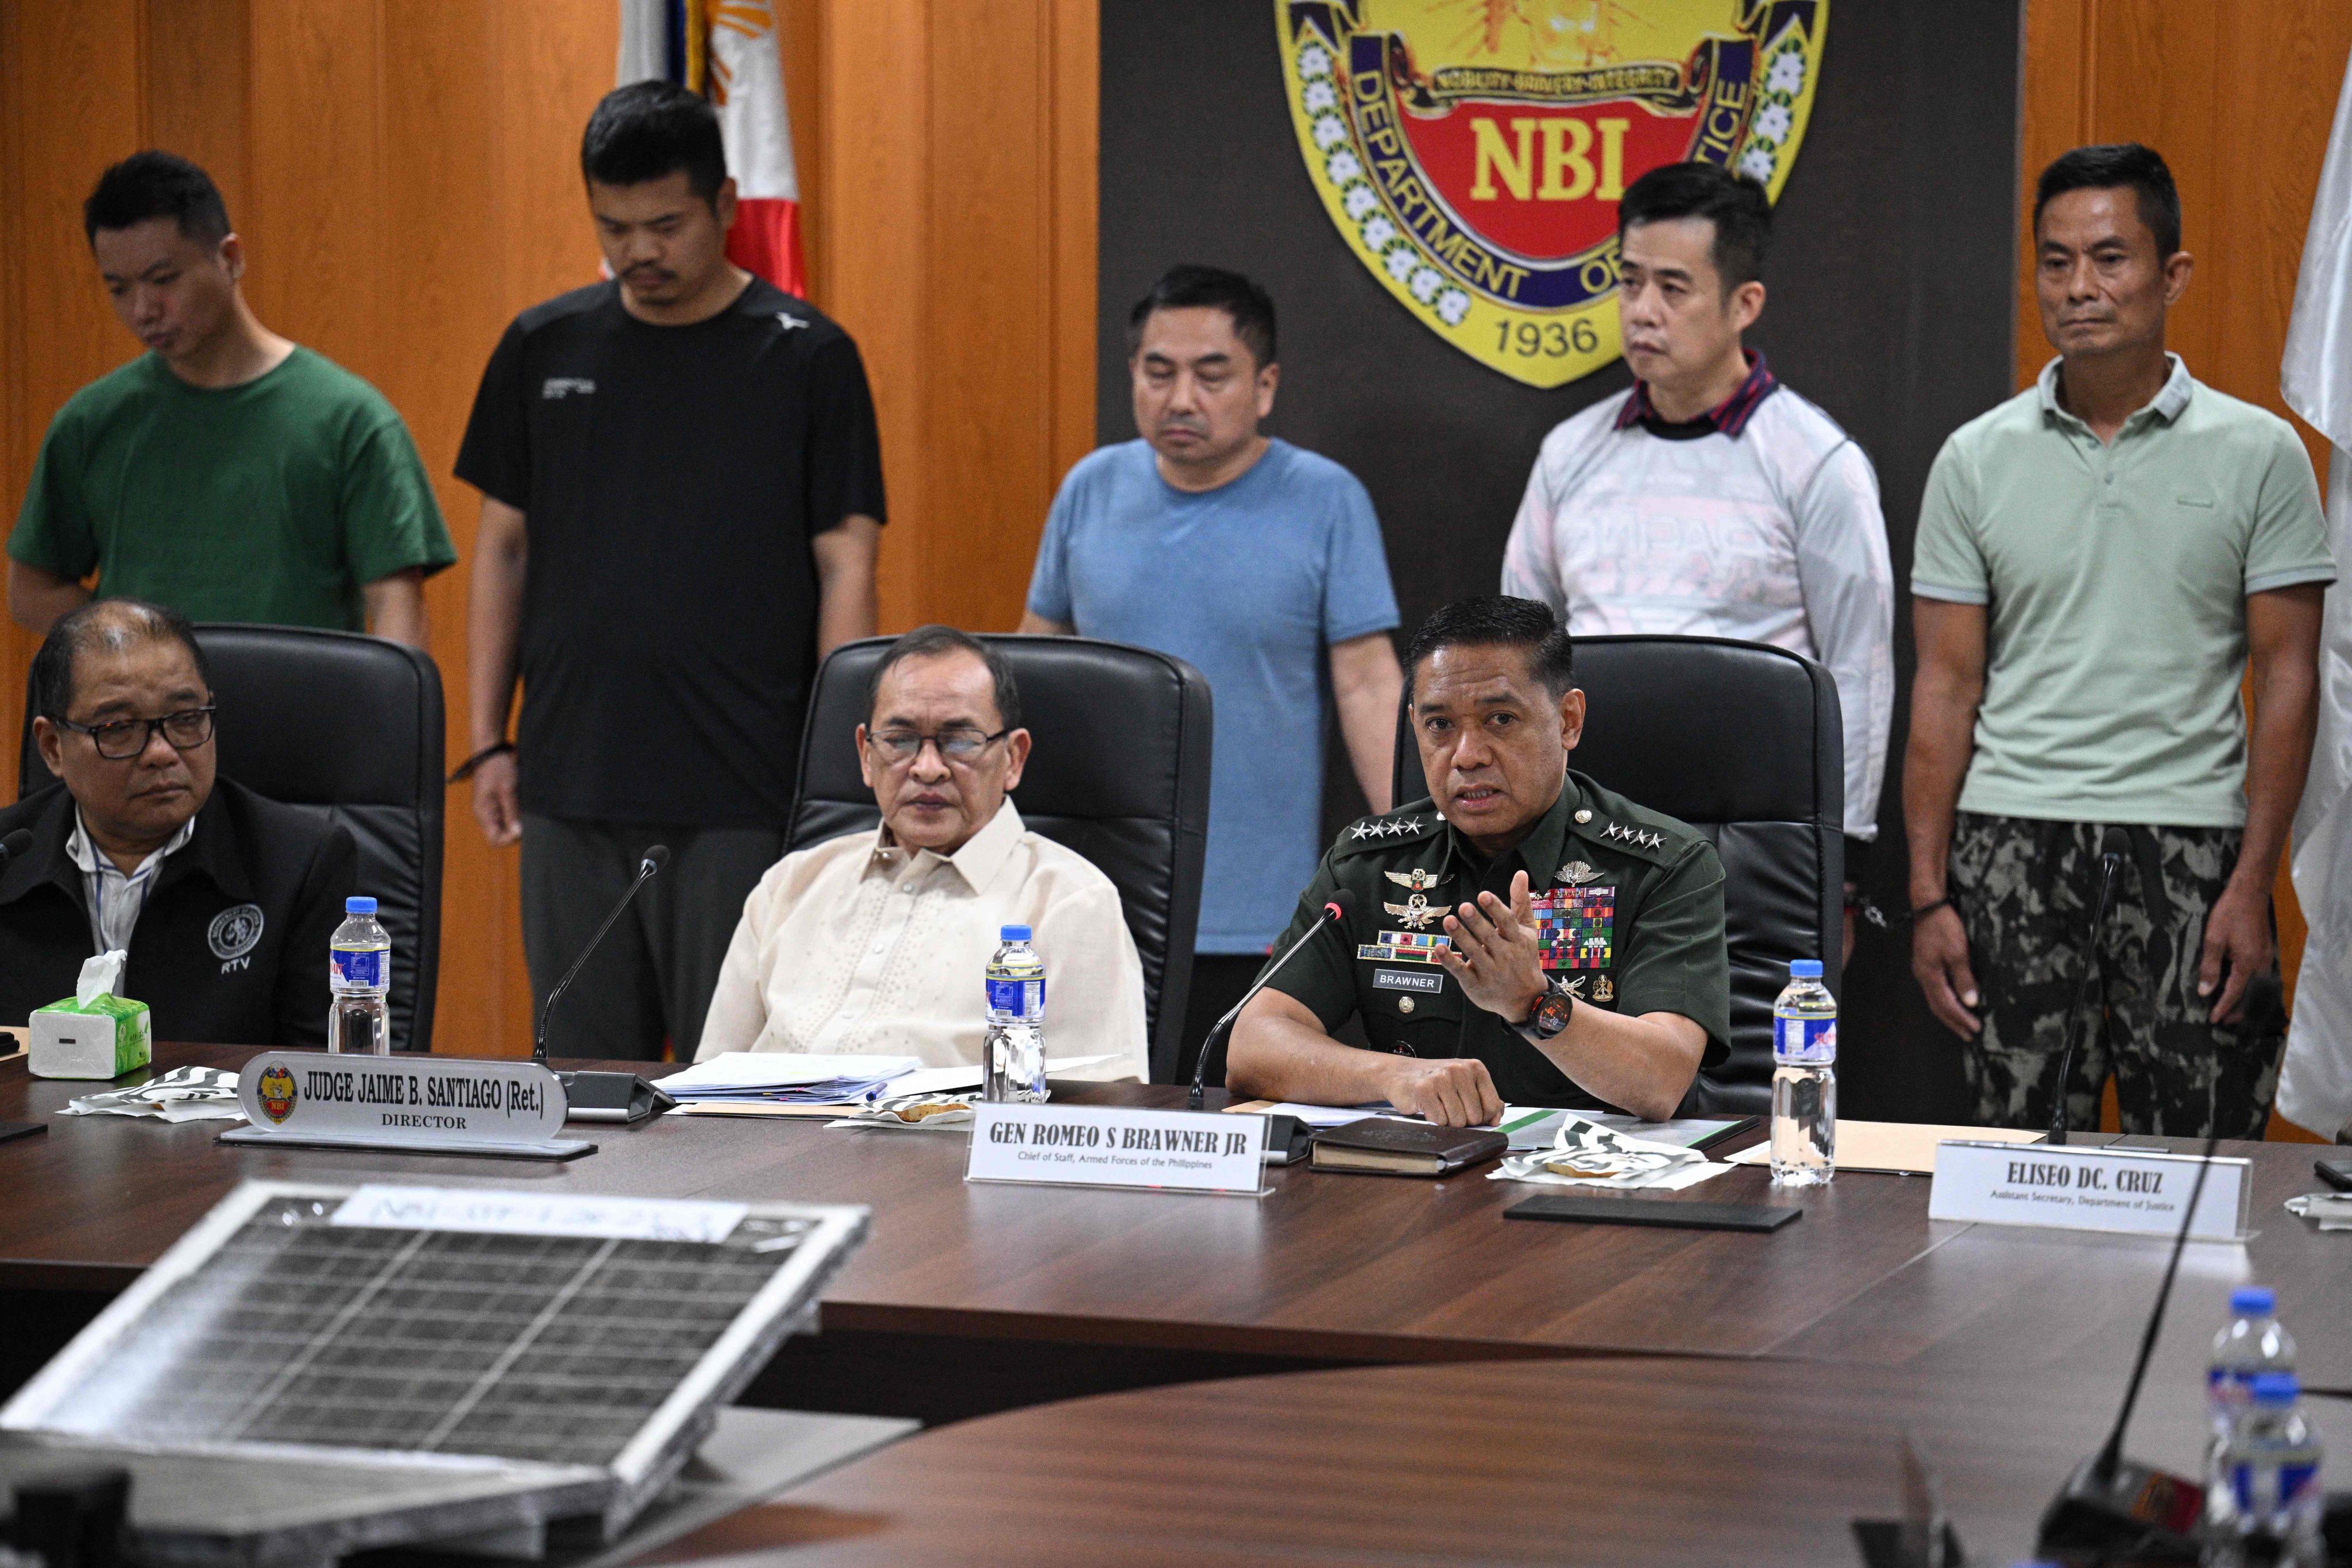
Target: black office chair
1119	773
352	727
1745	742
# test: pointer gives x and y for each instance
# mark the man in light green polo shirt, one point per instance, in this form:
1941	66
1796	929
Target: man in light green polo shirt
2099	561
227	472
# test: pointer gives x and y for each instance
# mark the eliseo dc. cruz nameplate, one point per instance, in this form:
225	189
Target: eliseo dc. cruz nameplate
424	1104
2132	1192
1091	1146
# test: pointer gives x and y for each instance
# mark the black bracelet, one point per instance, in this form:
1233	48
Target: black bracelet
465	769
1943	903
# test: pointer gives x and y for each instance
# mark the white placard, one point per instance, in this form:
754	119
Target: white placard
2133	1191
440	1104
1092	1146
501	1212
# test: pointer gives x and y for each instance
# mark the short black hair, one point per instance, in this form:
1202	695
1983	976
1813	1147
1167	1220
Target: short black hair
104	624
2117	165
1735	203
1188	287
930	642
157	184
650	130
1498	620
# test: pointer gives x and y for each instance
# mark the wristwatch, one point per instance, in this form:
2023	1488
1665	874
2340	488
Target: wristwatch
1550	1015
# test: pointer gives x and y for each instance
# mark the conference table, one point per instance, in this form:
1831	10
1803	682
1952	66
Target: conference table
1366	1294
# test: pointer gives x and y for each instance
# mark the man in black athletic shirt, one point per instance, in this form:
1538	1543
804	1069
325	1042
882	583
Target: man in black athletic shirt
681	497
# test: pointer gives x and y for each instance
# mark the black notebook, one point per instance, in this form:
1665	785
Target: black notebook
1382	1146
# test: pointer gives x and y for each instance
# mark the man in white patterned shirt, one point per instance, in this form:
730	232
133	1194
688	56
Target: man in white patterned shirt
874	943
1711	500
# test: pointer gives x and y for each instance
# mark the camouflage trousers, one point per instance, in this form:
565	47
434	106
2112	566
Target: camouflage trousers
2025	891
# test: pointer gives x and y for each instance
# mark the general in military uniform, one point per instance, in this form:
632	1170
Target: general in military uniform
1523	936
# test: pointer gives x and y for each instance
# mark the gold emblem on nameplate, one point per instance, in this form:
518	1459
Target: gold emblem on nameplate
1576	873
1416	911
1417	880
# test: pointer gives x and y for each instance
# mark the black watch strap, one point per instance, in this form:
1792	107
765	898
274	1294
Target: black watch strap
1550	1012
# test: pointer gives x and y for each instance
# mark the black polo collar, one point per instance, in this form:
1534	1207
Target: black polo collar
213	850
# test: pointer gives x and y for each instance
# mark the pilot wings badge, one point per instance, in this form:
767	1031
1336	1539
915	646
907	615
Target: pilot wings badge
1576	873
1417	880
1416	911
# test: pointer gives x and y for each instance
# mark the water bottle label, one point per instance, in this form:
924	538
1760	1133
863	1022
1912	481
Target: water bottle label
1017	998
1804	1042
360	968
2293	1481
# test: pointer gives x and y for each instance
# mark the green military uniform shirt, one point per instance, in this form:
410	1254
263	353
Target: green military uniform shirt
1629	911
275	501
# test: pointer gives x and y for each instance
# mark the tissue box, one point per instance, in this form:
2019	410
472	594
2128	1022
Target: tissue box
107	1037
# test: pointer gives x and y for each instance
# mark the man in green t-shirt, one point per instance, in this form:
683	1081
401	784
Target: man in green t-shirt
227	472
2101	561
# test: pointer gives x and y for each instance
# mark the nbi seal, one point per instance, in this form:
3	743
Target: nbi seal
1473	152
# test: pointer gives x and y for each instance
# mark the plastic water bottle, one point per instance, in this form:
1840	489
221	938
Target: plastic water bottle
2263	1502
1804	1079
2252	1343
1013	1058
358	980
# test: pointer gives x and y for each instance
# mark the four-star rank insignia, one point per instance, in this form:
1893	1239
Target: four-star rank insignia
1417	880
1619	832
1416	911
1375	827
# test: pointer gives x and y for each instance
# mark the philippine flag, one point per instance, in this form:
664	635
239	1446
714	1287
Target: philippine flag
728	50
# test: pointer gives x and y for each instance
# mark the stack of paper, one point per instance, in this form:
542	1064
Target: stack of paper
780	1078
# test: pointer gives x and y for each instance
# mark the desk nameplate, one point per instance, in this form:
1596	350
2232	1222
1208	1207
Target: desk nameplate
1092	1146
422	1104
2125	1192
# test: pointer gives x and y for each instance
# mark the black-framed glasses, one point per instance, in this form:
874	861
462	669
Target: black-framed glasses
955	745
119	740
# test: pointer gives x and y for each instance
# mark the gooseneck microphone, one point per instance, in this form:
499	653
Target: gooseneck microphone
2115	844
1341	905
606	1096
15	843
2118	1507
655	859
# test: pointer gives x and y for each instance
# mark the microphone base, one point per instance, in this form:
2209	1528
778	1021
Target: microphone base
612	1097
2152	1514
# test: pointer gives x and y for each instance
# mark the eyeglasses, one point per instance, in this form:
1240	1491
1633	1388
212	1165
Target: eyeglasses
903	746
119	740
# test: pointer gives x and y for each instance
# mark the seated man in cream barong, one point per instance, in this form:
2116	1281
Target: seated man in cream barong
876	944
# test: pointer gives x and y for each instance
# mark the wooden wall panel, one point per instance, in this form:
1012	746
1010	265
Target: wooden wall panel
406	178
2241	113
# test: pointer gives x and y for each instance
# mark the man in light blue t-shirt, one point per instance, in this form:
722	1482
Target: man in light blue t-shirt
1248	559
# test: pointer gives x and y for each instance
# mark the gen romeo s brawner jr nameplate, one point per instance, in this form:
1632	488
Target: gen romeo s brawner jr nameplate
424	1104
1473	152
1093	1146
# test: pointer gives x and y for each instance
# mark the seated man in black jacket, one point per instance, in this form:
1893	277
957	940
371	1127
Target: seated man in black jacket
225	901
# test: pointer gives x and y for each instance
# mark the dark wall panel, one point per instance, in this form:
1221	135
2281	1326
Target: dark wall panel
1889	304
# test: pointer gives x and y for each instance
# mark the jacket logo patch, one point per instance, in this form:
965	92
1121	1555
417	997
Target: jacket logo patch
1406	980
556	388
275	1090
235	931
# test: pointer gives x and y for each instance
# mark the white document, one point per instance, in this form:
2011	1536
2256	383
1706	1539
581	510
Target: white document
784	1069
499	1211
1331	1115
942	1080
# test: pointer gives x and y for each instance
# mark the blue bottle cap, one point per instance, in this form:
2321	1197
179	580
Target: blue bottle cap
1013	933
2276	1388
1805	969
2254	1301
359	906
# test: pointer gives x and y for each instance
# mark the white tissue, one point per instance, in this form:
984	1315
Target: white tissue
99	974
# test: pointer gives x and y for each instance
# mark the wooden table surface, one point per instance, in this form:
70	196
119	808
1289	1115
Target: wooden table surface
1340	1267
1677	1461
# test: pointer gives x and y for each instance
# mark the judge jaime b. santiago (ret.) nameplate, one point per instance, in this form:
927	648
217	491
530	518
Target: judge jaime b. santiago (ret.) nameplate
1095	1146
421	1104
